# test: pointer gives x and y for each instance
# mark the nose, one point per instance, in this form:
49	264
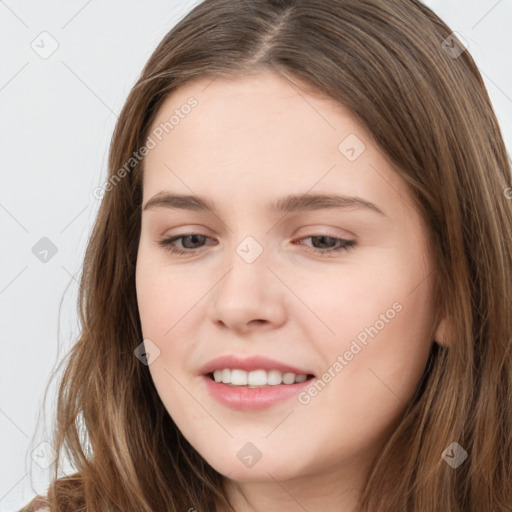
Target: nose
248	296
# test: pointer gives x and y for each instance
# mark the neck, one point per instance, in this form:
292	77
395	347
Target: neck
331	491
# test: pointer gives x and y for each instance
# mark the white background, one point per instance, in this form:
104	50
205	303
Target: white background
56	120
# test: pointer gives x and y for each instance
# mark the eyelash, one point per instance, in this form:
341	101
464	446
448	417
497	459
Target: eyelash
346	245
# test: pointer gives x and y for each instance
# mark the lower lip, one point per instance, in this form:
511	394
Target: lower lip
252	399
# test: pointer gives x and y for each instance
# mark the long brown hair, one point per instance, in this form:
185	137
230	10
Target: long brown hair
402	73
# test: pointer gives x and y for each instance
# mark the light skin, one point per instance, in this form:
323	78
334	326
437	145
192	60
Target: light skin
249	142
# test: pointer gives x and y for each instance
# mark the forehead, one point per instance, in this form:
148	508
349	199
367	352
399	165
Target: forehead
263	104
264	134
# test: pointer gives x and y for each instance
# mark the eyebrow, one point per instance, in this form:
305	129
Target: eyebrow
288	204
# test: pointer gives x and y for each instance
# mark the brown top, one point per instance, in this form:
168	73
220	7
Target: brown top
38	504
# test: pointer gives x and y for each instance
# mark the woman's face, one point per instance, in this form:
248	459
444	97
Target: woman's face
264	281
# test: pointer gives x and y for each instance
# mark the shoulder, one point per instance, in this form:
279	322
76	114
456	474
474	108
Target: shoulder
38	504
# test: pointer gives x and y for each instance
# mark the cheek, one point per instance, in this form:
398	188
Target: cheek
350	298
168	302
151	303
161	306
372	368
163	294
386	346
380	325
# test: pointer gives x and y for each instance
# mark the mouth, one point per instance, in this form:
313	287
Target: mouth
238	378
247	393
253	383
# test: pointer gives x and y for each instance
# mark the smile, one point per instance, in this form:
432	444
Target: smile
253	397
256	378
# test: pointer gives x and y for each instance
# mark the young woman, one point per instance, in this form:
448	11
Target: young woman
297	292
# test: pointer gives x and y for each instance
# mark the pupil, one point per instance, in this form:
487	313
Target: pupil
322	237
188	237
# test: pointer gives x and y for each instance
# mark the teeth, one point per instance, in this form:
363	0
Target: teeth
274	377
256	378
238	377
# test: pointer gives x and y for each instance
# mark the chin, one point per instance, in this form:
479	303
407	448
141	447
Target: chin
264	470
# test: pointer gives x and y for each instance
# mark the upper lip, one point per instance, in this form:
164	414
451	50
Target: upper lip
249	364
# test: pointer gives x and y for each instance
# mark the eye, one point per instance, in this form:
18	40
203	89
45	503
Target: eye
343	245
170	244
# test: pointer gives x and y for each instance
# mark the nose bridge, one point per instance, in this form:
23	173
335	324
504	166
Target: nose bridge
246	293
248	264
249	239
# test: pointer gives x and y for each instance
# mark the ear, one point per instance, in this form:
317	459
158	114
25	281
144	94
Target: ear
441	332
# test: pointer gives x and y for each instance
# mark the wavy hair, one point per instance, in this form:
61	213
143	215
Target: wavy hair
400	71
